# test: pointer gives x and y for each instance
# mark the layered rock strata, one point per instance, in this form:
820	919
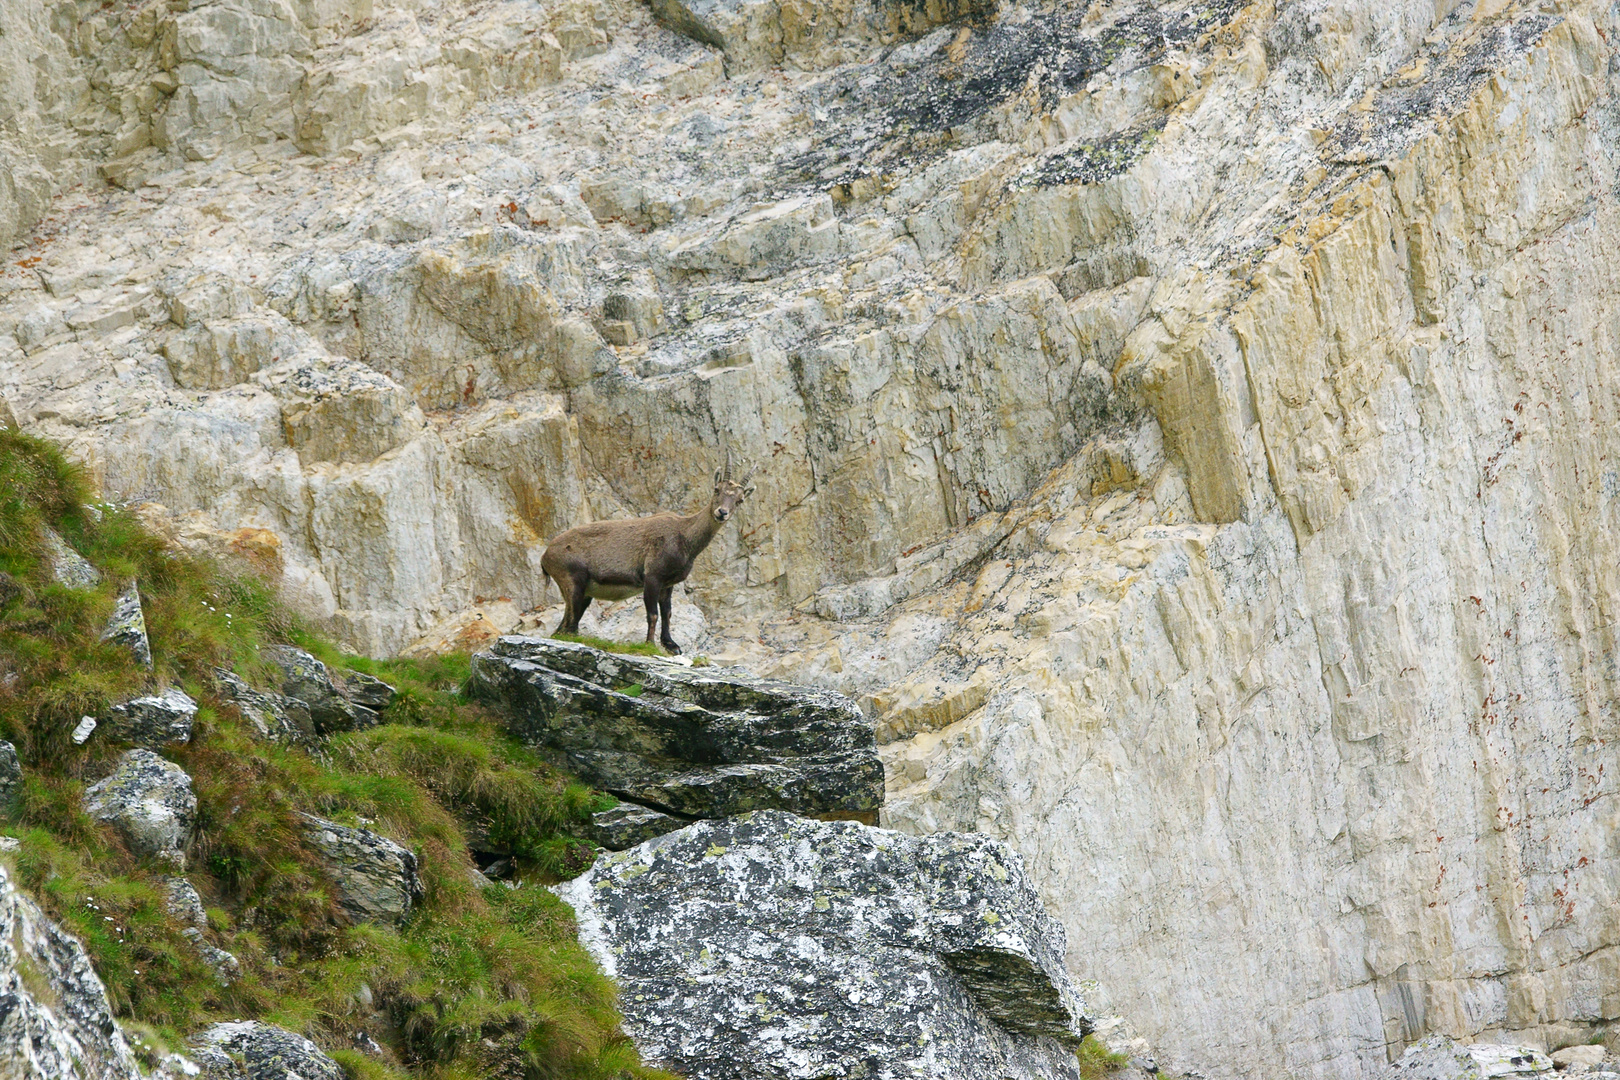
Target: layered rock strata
686	742
774	945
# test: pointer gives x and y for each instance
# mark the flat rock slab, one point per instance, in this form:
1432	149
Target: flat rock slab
775	945
627	825
692	742
1437	1057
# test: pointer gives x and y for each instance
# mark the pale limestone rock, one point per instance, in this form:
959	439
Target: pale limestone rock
68	567
126	626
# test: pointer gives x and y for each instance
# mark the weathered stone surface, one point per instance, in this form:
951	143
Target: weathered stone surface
1438	1057
10	772
150	802
1578	1058
306	679
275	717
55	1020
775	945
67	566
698	742
153	721
376	878
127	626
627	825
253	1050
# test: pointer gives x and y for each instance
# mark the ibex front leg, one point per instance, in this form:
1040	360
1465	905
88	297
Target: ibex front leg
649	596
663	606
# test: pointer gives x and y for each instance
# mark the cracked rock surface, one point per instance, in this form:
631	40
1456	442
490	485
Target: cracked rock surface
692	742
55	1020
150	802
774	945
376	878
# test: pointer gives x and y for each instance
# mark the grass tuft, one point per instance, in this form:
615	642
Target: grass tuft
632	648
478	982
1097	1061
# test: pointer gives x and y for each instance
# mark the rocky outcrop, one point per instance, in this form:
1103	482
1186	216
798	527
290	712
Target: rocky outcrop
335	702
691	742
127	626
774	945
376	878
275	717
153	721
149	802
55	1020
185	905
253	1050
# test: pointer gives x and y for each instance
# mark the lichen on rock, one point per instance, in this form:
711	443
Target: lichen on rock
771	944
150	802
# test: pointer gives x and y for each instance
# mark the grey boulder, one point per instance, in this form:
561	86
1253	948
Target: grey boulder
154	721
185	905
693	742
252	1050
275	717
333	706
377	879
127	626
55	1020
775	945
10	772
150	802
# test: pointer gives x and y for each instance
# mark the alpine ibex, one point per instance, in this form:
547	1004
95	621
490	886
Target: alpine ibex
613	560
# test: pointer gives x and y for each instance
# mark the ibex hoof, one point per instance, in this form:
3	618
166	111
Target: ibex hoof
671	648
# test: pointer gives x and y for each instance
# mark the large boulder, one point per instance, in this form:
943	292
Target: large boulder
1439	1057
252	1050
153	721
151	804
692	742
775	945
376	878
55	1020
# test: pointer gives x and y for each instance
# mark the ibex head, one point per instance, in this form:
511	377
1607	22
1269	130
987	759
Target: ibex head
729	493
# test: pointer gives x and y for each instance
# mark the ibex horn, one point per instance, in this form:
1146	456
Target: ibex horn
749	475
728	463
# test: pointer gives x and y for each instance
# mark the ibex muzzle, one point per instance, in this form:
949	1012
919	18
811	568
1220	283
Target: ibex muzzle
614	560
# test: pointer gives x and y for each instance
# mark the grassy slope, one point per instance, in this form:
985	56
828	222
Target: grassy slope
479	983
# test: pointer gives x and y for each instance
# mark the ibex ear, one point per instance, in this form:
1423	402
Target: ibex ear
748	492
717	478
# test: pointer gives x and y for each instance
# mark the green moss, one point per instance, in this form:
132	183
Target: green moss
477	983
633	648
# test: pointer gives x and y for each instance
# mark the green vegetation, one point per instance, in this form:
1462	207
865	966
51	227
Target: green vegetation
477	983
1097	1061
633	648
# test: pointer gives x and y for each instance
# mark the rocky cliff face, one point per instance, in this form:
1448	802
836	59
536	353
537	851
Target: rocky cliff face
1186	427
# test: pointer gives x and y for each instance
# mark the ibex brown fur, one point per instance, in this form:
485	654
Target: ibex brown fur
614	560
